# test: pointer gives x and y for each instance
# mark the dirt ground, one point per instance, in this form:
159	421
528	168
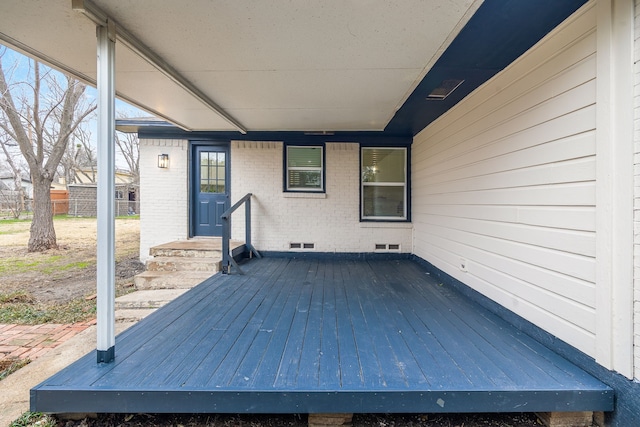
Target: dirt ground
359	420
61	275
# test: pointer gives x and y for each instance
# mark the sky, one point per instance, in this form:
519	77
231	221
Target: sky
19	73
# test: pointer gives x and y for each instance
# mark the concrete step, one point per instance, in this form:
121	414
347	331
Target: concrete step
159	251
208	264
169	279
131	315
148	298
194	248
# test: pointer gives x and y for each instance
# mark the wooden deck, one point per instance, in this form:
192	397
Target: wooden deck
323	335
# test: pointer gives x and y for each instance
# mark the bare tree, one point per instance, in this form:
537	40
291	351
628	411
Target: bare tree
41	118
129	146
9	201
16	199
79	161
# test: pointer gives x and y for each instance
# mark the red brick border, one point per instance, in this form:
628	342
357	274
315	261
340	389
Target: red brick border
32	341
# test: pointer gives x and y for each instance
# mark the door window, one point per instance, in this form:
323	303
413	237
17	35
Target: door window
212	172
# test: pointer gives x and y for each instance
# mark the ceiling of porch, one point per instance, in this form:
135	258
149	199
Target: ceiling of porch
321	65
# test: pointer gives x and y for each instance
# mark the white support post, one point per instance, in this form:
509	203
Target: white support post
106	194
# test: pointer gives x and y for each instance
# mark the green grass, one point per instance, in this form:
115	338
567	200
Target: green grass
10	366
46	264
21	308
136	216
22	265
65	267
14	297
13	221
11	232
64	217
17	230
29	419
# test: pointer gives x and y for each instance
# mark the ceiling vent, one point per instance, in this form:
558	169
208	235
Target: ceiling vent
444	89
320	133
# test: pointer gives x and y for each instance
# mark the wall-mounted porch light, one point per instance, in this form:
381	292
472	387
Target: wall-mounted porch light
163	161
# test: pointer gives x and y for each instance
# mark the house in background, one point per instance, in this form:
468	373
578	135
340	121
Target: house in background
492	141
83	193
90	176
7	182
10	198
83	199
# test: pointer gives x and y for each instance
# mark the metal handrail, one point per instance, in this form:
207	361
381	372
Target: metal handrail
227	256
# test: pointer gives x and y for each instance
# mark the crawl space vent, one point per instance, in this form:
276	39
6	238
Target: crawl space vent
302	245
387	247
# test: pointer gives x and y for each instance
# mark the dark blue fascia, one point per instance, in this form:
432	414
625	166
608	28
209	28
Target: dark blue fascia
300	138
497	34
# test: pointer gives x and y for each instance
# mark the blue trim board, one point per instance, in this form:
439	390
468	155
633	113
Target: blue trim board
290	137
495	36
302	401
351	256
627	392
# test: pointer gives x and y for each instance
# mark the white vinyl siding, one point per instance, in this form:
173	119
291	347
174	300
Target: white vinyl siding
503	186
637	193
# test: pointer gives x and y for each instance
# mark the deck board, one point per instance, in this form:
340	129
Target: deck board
323	335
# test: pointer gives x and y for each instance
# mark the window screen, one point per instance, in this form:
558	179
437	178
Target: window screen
384	183
304	168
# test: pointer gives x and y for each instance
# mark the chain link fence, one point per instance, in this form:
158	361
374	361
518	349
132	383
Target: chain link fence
72	207
12	205
88	207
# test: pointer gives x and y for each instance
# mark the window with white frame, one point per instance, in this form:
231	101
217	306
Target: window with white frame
384	183
304	168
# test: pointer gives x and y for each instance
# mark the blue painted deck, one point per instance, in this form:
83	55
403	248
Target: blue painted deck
323	335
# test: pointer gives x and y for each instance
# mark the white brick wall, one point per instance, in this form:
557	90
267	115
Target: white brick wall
330	221
163	193
637	193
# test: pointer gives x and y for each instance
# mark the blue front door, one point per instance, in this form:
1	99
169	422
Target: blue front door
210	197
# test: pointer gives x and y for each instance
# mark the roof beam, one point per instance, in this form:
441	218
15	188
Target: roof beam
100	18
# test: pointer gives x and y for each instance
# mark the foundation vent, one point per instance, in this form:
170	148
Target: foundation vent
302	245
387	247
